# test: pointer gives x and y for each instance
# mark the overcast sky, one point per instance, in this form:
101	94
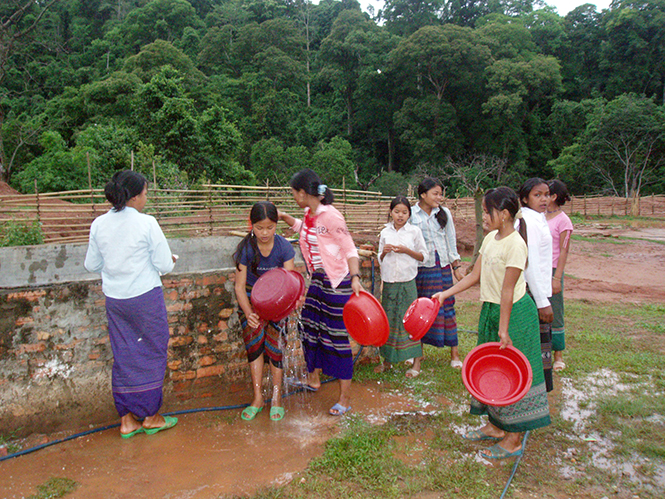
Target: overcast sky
562	6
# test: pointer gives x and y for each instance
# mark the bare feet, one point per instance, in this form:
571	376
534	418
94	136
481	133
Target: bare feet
128	424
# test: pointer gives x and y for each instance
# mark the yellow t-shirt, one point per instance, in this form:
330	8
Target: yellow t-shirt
511	251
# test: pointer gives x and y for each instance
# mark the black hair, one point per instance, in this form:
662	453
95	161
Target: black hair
307	180
504	198
123	186
558	188
400	200
260	211
527	187
424	186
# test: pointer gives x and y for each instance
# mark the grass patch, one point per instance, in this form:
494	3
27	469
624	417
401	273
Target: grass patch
9	441
54	487
419	455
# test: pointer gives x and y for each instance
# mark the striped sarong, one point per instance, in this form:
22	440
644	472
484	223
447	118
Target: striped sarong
545	350
262	340
139	337
558	327
431	280
533	410
396	299
325	340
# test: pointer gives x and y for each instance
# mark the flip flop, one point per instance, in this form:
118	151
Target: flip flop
169	422
250	412
338	410
409	362
477	436
411	373
498	452
558	365
276	413
456	364
132	433
301	384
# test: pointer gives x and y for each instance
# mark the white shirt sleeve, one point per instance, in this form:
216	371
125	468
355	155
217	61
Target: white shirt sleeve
420	245
537	281
94	262
451	237
160	253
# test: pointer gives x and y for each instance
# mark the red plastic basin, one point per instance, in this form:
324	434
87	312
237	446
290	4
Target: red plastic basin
420	316
275	294
365	320
497	377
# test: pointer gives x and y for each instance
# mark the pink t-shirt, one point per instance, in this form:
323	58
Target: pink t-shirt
559	224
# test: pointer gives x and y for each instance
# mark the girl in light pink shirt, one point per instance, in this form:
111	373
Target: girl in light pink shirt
561	228
332	260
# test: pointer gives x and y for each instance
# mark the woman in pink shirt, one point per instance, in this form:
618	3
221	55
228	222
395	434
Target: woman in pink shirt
561	228
332	260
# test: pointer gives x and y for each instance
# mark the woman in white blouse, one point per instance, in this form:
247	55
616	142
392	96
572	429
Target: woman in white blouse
130	251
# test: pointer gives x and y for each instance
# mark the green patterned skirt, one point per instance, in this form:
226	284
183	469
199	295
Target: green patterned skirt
533	410
396	299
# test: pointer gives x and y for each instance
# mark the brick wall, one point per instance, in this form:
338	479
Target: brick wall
55	357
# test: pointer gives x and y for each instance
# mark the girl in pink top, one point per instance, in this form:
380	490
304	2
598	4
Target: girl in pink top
332	260
561	228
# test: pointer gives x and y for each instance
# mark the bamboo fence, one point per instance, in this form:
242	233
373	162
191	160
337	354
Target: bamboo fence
215	210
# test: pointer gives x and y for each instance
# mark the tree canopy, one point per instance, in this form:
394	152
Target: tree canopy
251	91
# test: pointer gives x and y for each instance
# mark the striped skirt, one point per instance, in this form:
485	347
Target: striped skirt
533	410
325	340
431	280
139	337
546	350
558	327
262	340
396	299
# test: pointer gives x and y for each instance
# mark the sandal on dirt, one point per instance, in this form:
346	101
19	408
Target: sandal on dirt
169	422
140	429
477	436
250	412
276	413
558	365
498	452
338	410
412	373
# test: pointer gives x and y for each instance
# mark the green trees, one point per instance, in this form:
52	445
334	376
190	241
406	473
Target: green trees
251	91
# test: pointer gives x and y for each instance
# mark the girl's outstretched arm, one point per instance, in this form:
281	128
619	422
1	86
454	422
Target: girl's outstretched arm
469	280
507	292
286	218
354	270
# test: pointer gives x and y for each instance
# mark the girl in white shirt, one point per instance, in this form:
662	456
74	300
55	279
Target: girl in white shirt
401	247
535	198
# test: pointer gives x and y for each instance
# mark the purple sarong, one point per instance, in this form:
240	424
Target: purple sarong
139	335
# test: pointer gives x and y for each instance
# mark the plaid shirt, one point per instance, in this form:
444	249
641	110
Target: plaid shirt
443	241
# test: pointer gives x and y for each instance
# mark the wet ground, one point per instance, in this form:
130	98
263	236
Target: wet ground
207	454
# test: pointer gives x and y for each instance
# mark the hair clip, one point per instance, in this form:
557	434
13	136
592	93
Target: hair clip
322	189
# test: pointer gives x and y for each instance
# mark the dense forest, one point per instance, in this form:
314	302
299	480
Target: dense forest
250	91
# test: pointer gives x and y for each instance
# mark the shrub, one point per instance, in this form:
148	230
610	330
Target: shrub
20	234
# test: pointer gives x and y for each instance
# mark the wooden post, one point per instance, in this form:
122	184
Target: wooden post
584	205
154	174
212	227
92	196
132	160
37	200
653	205
344	194
267	189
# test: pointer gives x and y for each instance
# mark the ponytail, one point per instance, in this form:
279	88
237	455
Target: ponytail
307	180
124	185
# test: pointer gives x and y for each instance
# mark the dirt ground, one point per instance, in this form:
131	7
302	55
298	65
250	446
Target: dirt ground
213	453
